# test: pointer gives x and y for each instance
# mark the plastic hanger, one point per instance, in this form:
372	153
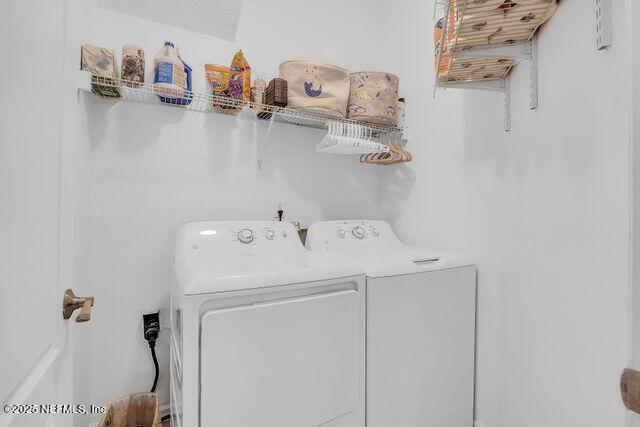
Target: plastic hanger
349	138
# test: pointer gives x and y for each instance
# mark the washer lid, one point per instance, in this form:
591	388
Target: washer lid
237	255
374	245
385	261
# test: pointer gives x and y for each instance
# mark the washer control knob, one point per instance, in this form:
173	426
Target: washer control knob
245	236
269	234
340	233
375	232
358	232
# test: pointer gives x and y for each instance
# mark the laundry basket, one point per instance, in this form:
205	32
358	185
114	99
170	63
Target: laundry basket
135	410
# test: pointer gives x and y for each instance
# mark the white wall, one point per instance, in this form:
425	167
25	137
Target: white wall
137	172
545	211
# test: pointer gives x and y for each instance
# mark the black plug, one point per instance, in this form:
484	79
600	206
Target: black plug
151	324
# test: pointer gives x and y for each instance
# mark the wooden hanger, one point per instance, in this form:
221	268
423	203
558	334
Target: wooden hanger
396	154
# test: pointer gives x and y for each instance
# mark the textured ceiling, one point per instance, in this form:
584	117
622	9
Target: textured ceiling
217	18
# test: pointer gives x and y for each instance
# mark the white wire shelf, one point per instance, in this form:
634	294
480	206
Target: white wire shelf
206	103
483	40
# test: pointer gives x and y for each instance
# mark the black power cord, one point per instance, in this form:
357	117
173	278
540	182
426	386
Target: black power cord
151	323
152	346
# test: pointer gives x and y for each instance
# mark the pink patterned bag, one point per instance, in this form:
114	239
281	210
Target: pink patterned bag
373	97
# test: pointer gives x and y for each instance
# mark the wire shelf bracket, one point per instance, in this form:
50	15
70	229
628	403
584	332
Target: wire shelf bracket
263	142
520	52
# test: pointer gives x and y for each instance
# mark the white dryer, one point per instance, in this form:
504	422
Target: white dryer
264	332
420	325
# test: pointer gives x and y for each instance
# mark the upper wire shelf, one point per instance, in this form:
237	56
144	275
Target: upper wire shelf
207	103
477	34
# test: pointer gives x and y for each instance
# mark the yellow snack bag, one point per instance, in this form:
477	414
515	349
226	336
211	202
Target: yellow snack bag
240	78
219	77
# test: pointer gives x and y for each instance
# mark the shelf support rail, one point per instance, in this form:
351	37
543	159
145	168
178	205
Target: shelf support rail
506	86
533	73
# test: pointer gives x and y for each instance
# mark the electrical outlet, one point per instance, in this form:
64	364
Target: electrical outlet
603	24
151	323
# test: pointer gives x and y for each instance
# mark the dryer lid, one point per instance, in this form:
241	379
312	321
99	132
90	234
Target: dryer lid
227	256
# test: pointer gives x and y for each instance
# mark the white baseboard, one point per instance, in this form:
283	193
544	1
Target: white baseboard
166	410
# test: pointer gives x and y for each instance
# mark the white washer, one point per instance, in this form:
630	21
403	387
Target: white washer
420	325
264	332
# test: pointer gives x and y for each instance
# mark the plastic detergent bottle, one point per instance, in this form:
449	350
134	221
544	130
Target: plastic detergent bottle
169	76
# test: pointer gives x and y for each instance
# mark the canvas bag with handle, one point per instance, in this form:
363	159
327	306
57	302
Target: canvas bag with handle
321	88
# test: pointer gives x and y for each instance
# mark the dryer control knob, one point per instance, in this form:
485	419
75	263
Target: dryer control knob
358	232
340	233
269	234
245	236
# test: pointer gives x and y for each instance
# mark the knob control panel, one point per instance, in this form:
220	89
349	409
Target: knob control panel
225	238
349	234
245	236
358	232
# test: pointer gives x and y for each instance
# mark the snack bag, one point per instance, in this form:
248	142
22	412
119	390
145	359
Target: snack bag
240	78
219	77
100	62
